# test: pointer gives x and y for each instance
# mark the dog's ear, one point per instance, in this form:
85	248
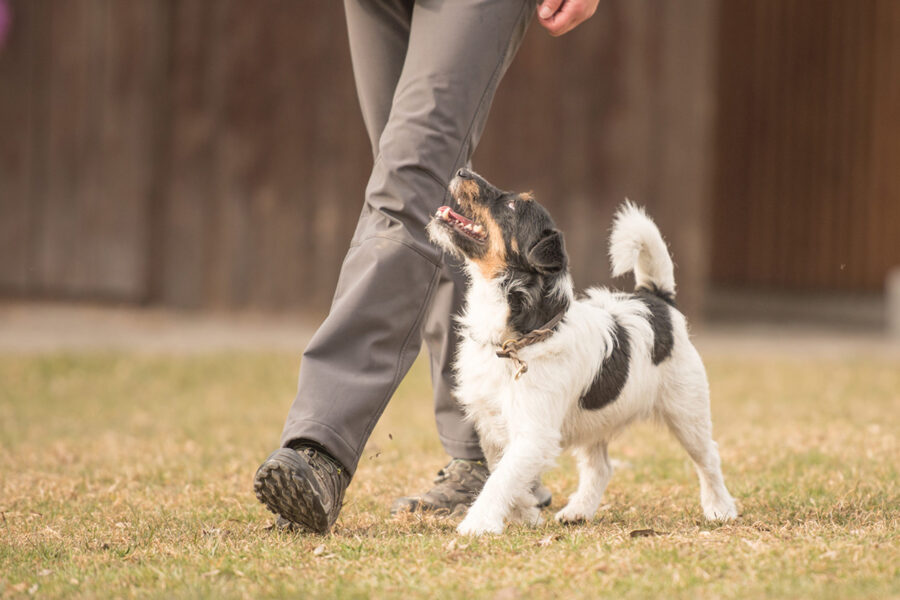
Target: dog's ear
548	255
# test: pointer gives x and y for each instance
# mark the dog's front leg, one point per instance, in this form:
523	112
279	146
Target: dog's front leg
525	458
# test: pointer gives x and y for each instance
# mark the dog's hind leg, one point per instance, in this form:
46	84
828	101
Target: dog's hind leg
687	415
594	472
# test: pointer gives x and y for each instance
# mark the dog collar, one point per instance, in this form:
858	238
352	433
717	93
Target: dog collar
510	348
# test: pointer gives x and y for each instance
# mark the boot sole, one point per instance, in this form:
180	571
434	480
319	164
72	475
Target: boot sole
282	484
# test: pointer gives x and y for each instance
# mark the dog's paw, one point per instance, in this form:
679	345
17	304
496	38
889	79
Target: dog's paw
720	510
474	526
530	515
572	514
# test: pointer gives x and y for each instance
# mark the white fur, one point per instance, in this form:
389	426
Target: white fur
524	424
636	245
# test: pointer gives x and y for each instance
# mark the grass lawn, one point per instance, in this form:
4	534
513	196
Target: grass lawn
130	475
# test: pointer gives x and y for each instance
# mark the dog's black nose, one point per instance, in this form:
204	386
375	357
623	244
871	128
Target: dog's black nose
464	174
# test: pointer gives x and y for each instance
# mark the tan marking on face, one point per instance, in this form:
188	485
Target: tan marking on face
467	189
527	197
515	245
494	260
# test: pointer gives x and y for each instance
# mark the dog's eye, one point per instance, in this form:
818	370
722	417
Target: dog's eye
511	205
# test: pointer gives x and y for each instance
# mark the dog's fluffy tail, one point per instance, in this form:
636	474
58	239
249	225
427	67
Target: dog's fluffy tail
636	245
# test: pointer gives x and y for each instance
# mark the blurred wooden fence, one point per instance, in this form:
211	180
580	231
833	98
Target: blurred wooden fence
196	153
210	153
807	187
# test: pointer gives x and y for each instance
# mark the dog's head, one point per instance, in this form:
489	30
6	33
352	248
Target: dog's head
508	239
504	234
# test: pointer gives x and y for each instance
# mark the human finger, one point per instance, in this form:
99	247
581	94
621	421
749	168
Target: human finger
572	14
548	8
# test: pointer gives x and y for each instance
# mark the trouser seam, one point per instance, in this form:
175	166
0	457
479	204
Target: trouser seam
416	326
491	84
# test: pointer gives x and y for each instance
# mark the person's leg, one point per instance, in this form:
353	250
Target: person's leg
457	52
456	55
379	35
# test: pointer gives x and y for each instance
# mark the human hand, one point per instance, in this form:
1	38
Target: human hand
561	16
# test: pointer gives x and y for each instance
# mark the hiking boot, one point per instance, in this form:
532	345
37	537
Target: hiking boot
455	489
303	486
541	494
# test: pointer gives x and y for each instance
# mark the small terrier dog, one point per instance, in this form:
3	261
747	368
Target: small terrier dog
539	371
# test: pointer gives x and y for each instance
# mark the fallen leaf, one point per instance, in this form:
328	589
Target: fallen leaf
319	550
547	540
644	533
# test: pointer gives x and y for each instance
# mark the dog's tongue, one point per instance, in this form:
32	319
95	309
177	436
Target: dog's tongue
446	213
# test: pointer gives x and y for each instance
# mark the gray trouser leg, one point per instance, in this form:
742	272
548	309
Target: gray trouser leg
457	434
378	39
456	54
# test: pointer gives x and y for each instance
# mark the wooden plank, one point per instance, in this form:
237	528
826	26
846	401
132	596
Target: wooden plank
883	222
67	140
809	162
18	63
685	112
252	201
188	212
266	177
121	168
95	116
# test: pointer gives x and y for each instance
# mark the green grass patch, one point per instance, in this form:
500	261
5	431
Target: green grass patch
126	475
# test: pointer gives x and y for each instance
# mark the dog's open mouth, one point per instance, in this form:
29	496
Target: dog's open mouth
461	224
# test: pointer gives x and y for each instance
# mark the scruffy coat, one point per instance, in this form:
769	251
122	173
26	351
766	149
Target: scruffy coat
613	358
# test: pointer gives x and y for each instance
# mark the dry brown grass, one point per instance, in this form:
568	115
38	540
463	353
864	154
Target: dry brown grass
125	475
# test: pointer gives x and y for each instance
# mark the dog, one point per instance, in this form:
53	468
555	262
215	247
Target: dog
539	370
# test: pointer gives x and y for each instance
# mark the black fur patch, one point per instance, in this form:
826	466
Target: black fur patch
613	374
531	300
667	297
660	320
